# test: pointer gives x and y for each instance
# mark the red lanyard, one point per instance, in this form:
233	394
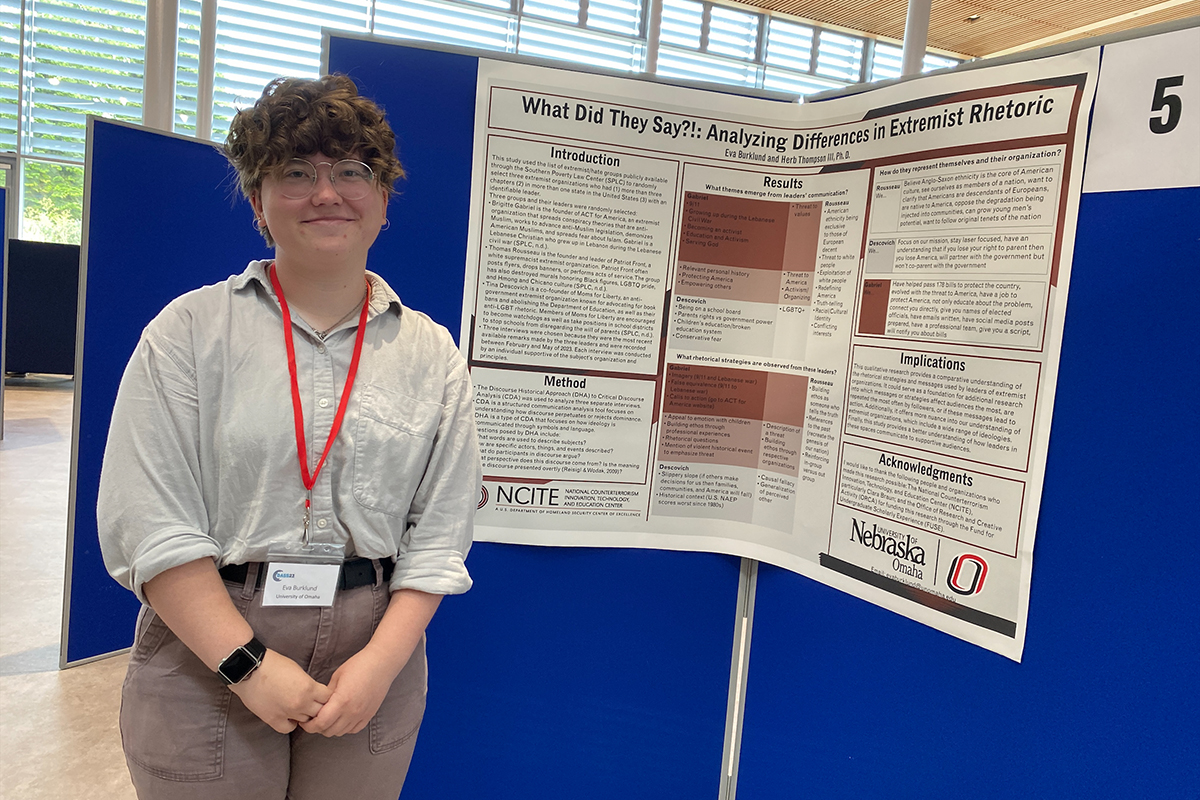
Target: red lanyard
297	408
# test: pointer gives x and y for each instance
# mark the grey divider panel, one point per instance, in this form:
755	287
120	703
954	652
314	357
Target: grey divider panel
846	700
160	220
564	673
43	279
3	293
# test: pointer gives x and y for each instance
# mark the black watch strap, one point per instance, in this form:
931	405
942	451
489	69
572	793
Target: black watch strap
238	665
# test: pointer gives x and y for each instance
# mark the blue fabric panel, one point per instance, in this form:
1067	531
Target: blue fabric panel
580	673
149	241
429	98
847	700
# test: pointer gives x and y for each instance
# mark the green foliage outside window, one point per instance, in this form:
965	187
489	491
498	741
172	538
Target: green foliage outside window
53	202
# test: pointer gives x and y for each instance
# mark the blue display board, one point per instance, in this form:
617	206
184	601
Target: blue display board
849	700
171	225
578	673
3	295
846	700
564	672
429	98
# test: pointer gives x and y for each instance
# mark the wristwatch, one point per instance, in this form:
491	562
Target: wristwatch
238	665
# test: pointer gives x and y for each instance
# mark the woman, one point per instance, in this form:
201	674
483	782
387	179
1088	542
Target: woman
289	485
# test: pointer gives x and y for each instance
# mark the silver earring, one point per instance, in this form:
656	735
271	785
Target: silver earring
387	223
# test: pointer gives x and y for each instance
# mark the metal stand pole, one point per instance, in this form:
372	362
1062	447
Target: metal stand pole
916	37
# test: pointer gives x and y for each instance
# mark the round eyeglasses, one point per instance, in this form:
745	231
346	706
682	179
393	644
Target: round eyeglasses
351	179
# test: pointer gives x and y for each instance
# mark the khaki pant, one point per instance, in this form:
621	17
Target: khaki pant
187	737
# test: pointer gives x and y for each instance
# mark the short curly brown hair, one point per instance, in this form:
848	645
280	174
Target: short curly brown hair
296	117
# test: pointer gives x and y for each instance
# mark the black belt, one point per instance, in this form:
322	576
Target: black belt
355	573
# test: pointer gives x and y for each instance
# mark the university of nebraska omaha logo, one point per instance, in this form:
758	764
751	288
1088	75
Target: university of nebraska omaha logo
966	575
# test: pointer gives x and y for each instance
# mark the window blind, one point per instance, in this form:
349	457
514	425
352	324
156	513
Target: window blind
259	40
448	23
615	16
839	56
10	49
187	67
81	59
546	40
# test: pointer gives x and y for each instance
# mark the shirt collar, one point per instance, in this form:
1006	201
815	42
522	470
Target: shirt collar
383	298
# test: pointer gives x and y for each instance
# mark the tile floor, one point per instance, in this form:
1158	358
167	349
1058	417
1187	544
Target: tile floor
58	729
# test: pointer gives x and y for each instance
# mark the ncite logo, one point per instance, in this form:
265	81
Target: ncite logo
966	574
526	495
280	574
483	497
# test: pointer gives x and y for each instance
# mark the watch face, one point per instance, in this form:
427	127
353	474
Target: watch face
237	666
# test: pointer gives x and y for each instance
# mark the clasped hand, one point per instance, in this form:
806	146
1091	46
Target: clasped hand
283	695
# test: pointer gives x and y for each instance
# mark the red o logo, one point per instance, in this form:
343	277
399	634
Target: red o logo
966	574
483	497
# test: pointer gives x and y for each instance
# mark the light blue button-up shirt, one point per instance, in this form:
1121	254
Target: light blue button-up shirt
201	458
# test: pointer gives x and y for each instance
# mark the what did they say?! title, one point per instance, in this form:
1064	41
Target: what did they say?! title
761	141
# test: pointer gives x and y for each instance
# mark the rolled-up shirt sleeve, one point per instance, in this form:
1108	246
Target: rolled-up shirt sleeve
151	511
442	513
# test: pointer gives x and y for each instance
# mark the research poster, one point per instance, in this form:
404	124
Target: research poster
824	336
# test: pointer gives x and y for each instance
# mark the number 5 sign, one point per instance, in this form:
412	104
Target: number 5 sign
1146	119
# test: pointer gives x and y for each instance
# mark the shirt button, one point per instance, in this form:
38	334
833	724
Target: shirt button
323	402
322	522
321	349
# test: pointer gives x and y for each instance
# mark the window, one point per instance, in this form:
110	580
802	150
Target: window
615	16
258	40
10	48
682	23
600	33
732	33
789	46
447	23
80	59
187	67
888	60
799	84
701	67
53	195
701	40
559	10
707	42
581	46
87	57
839	56
932	62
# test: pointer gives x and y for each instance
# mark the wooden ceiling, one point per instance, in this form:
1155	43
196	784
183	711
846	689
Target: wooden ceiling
978	28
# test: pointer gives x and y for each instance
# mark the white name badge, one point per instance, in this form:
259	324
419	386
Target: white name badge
297	584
